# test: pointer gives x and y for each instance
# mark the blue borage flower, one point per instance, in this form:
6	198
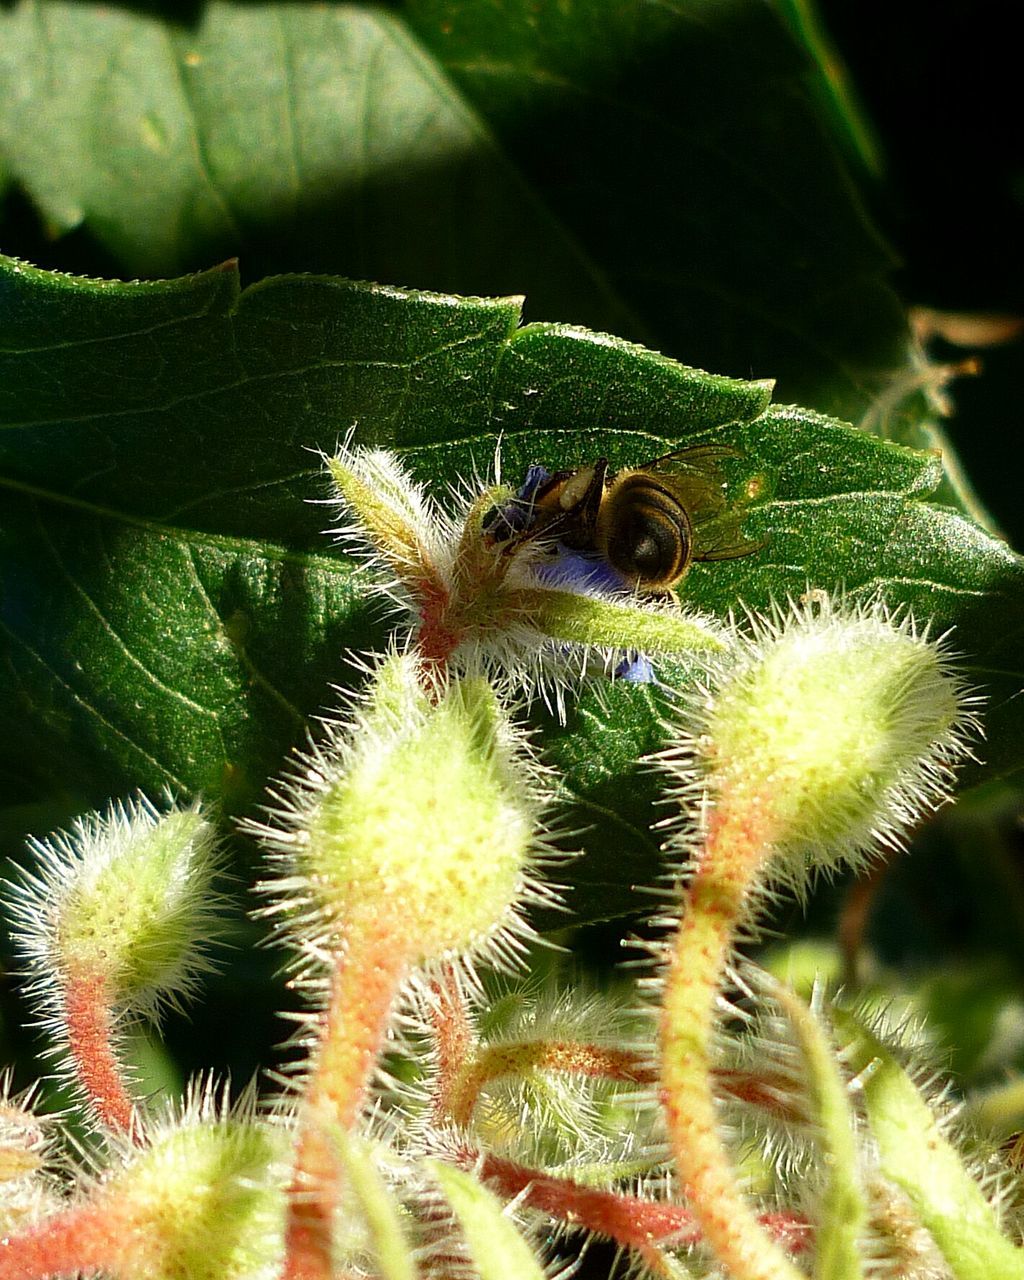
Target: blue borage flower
513	516
534	614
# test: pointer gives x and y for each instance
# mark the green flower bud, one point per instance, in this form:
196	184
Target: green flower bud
388	516
834	730
124	899
203	1199
418	820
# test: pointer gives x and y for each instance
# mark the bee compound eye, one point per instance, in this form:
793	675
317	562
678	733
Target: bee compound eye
648	537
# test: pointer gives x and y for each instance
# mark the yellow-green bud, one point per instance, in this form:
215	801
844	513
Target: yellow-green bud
124	898
418	819
834	729
388	515
204	1199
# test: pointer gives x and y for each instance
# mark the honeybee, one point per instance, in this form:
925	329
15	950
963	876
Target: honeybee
647	523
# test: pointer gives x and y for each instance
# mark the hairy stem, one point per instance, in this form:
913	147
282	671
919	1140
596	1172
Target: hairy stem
455	1047
83	1239
736	850
366	978
522	1058
629	1220
89	1022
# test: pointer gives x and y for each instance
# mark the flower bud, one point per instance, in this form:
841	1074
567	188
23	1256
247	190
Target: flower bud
123	899
27	1190
203	1199
385	513
417	820
833	729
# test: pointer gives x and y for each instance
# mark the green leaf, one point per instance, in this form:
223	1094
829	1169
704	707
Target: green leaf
171	614
323	127
658	171
842	1216
378	1207
915	1154
497	1249
171	611
679	144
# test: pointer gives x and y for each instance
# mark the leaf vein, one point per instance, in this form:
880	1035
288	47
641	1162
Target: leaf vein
87	706
250	379
240	650
198	146
118	640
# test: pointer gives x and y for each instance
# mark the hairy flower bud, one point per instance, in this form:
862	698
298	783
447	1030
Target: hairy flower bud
418	818
834	729
202	1199
124	899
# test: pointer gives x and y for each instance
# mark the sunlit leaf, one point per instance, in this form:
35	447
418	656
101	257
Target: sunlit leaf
172	613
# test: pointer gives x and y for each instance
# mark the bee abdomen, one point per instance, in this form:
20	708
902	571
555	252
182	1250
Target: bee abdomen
644	532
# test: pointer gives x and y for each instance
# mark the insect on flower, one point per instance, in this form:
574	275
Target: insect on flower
648	524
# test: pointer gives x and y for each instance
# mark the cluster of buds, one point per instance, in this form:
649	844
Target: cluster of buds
405	847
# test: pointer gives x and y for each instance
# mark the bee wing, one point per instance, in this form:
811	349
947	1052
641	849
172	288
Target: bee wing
726	543
695	476
695	457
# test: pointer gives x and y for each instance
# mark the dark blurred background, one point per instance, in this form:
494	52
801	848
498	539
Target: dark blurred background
941	84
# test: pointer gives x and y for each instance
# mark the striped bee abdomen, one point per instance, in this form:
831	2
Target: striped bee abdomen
644	532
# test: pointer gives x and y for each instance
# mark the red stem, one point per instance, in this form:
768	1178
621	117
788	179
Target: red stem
354	1028
737	846
76	1240
455	1046
435	640
462	1091
628	1220
89	1022
463	1071
773	1093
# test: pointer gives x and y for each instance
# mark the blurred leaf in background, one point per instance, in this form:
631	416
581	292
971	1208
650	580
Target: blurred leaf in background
655	171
